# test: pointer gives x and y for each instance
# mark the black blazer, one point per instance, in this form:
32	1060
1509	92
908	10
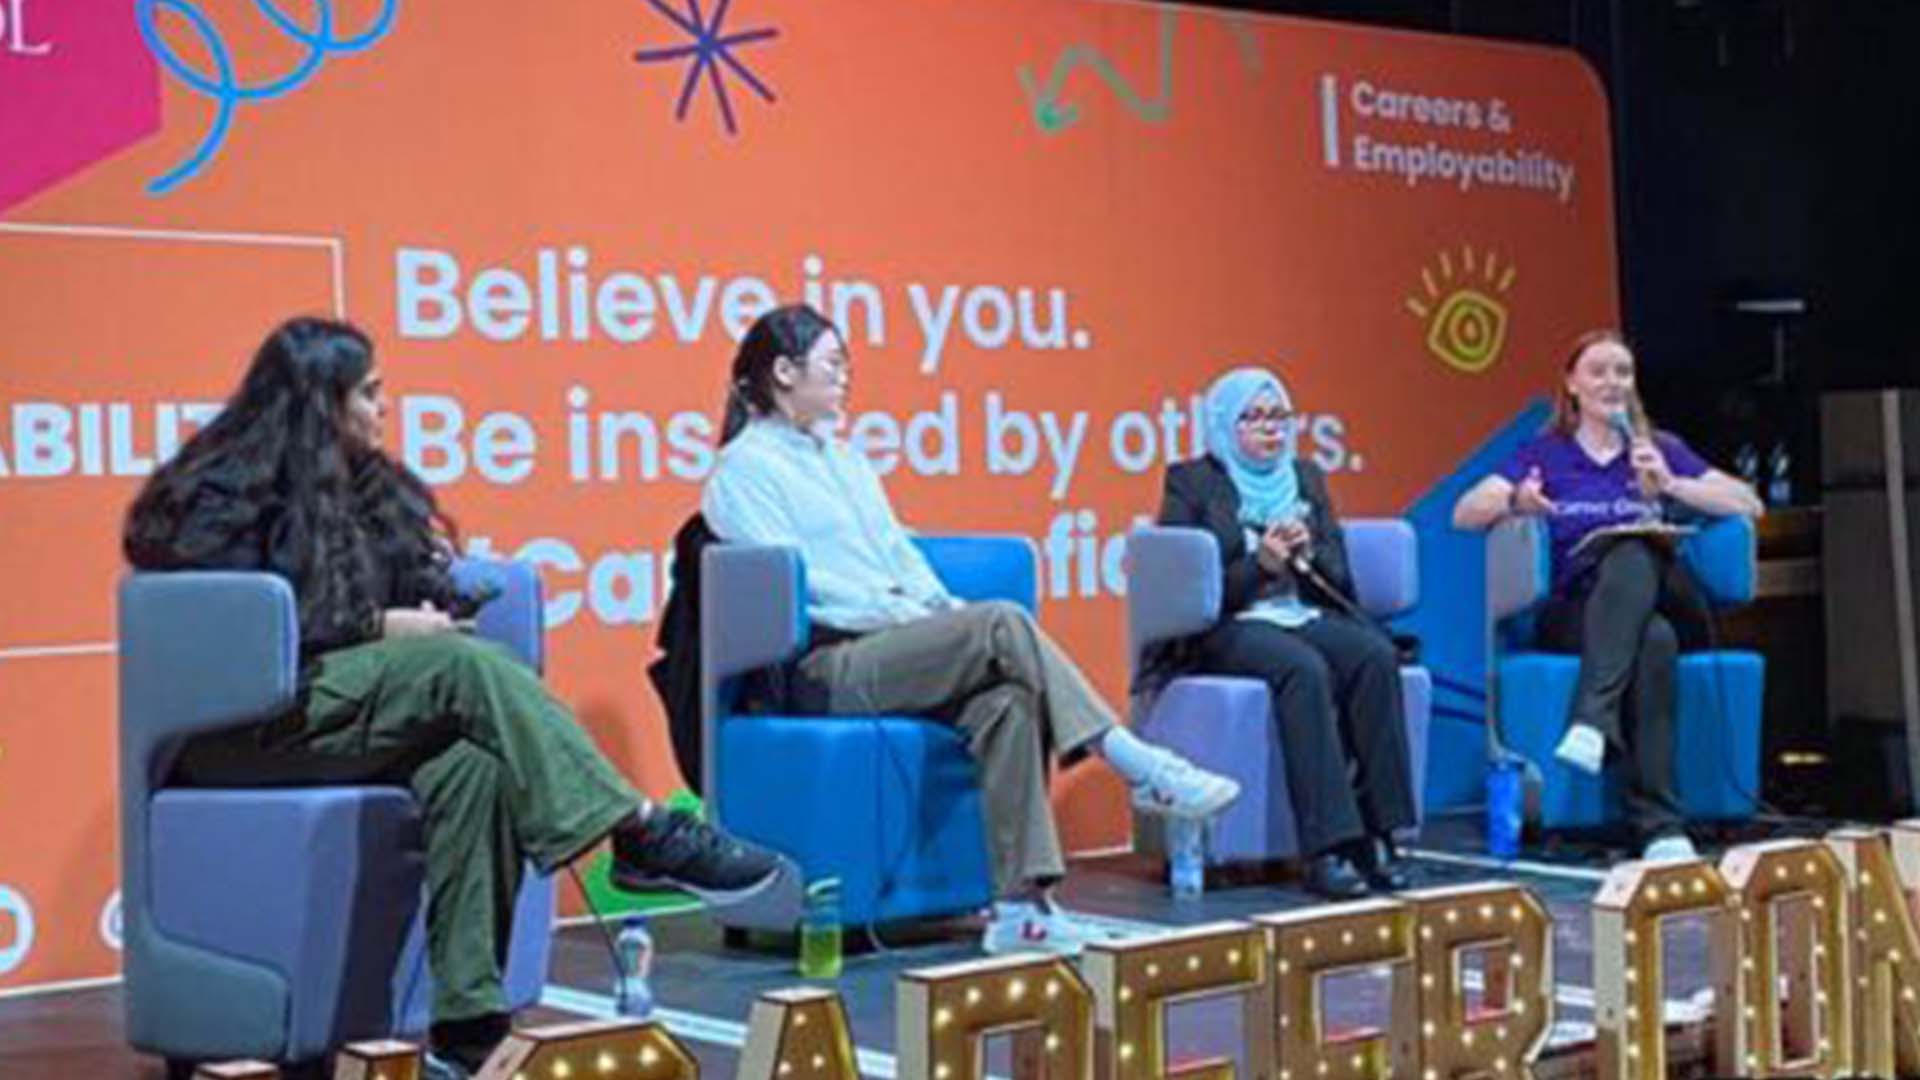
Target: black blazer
1200	494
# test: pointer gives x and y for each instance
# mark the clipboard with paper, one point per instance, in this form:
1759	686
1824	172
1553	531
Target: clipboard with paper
1666	533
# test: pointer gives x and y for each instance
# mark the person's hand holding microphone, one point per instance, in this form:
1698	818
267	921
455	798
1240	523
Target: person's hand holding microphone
1287	543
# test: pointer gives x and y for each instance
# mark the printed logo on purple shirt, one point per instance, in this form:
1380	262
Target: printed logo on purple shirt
1589	494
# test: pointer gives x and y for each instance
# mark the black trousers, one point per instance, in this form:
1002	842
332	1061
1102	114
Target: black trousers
1335	684
1628	618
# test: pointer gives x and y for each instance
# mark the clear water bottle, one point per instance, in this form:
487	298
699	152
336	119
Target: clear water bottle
1186	856
1505	798
632	993
820	930
1746	465
1779	476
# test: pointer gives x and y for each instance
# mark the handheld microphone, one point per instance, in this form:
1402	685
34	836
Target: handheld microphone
1621	422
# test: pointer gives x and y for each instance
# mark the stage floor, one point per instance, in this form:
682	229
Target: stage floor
705	989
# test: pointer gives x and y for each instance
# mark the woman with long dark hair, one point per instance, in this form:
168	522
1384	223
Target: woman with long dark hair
1623	603
895	641
290	479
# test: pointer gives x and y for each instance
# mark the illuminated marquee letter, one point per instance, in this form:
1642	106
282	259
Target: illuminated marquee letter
1885	952
597	1049
944	1015
800	1034
1304	947
1766	877
1133	982
377	1059
1627	959
1507	924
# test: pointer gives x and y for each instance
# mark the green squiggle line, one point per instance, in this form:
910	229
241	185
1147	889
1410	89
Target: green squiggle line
1053	115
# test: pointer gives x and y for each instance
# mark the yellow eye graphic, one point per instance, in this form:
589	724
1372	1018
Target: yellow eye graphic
1466	326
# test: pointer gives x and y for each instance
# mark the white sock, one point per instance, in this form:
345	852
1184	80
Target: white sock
1134	758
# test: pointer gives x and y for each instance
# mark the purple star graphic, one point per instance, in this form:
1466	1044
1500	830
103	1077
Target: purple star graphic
709	49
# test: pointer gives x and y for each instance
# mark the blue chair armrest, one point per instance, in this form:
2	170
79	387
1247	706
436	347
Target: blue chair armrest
1722	557
1173	584
979	567
516	617
1384	556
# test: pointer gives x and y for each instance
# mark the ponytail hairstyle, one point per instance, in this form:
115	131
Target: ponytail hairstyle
789	331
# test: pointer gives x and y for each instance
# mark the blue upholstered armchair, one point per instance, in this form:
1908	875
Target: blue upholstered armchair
1225	723
1718	692
890	805
273	923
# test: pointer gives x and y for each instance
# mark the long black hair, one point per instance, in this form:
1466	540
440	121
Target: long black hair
789	331
276	481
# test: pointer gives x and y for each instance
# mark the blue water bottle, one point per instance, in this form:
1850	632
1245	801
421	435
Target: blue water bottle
1186	856
1505	797
632	994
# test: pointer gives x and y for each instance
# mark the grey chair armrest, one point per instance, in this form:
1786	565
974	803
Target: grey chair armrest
1383	555
200	651
516	617
1173	584
1518	573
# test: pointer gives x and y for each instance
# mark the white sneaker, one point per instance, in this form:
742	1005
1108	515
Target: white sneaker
1179	788
1027	928
435	1067
1584	748
1673	847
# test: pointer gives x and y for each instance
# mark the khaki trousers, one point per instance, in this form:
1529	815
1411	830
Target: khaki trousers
989	670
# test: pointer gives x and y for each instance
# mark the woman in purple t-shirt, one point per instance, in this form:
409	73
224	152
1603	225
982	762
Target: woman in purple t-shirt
1623	603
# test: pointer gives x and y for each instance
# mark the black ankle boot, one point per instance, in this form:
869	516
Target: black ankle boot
470	1042
1375	858
1330	875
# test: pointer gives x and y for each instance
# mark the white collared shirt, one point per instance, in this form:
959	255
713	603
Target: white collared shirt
777	484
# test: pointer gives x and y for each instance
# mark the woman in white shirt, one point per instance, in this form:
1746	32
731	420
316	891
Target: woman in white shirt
891	639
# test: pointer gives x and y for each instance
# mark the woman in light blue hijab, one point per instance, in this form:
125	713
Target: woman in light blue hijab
1287	618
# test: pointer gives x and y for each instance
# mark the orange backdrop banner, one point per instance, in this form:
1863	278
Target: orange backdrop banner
1044	224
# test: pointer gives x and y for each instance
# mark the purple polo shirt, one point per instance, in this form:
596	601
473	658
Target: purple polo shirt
1588	495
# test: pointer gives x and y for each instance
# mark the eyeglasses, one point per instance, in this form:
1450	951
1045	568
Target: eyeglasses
1264	417
833	363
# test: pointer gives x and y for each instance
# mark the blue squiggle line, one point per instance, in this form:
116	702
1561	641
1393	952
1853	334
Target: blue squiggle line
227	92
